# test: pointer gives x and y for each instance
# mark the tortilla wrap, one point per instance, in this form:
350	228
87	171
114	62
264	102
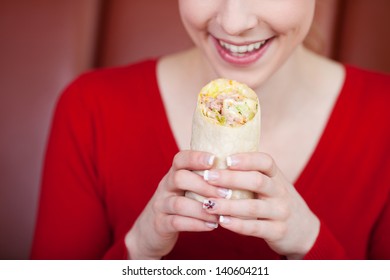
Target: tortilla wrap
226	121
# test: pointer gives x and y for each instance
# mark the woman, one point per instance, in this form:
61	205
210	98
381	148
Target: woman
118	163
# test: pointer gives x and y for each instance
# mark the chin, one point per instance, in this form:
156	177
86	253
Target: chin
252	78
254	75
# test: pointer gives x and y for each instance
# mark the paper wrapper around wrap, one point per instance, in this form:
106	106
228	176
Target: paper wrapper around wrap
223	141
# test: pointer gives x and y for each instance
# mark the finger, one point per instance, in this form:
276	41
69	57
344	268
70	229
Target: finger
192	160
261	162
185	180
180	205
265	229
176	223
248	208
253	181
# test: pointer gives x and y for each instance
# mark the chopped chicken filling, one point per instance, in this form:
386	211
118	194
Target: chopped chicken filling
228	108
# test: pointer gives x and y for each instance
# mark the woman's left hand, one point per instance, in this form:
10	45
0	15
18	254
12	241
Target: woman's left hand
279	214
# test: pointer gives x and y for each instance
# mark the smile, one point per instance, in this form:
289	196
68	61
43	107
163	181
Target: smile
242	54
241	50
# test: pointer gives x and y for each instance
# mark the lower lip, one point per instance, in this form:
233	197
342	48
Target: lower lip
247	59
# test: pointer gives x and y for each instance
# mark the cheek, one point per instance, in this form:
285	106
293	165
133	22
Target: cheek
194	14
294	18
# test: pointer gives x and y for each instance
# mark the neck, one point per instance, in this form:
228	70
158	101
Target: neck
290	87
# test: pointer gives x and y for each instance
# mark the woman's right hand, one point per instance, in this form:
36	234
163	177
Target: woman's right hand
169	212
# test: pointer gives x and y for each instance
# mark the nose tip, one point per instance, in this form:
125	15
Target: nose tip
235	19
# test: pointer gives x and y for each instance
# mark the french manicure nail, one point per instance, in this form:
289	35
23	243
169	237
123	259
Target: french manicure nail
210	175
224	220
210	160
225	193
211	225
231	161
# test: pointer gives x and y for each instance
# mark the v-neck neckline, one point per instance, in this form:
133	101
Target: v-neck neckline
163	130
322	145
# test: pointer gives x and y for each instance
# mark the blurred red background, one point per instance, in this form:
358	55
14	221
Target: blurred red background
44	44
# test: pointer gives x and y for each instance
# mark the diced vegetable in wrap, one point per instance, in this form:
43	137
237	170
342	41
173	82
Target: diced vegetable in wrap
226	121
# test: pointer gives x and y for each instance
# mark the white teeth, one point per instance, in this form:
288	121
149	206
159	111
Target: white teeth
233	48
243	48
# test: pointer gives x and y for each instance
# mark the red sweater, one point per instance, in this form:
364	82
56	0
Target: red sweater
111	144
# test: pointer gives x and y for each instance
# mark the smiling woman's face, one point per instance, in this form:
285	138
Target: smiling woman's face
247	40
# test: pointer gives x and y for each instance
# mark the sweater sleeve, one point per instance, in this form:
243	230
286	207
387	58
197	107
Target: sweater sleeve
118	251
326	247
71	222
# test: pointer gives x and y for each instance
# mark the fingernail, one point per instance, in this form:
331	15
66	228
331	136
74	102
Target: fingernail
224	220
208	204
210	175
211	225
225	193
231	161
210	160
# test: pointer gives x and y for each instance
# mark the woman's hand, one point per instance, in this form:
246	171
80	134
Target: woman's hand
279	214
155	232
